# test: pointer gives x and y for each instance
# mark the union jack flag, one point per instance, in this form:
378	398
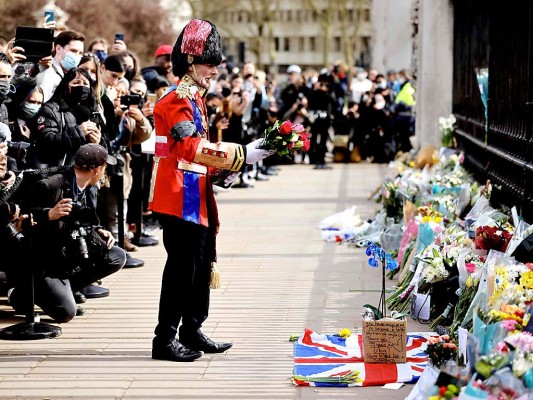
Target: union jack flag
319	357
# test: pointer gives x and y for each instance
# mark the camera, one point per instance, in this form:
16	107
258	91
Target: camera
16	150
11	234
130	100
78	237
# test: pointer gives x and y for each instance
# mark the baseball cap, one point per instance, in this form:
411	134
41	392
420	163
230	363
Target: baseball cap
163	50
294	68
93	155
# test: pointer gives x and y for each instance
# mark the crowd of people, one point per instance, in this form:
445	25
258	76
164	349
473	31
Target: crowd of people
77	142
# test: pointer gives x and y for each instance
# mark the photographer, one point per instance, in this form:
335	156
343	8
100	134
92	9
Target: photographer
78	250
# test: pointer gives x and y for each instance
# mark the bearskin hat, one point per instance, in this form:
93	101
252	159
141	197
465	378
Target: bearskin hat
198	43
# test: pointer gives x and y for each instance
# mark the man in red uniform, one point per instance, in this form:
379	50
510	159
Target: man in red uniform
182	195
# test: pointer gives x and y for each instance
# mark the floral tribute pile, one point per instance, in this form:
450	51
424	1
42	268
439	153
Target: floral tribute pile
470	261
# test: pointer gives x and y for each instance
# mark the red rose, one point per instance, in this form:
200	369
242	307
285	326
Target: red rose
286	128
304	136
306	145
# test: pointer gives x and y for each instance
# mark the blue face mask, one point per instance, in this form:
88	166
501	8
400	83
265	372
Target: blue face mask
30	110
70	61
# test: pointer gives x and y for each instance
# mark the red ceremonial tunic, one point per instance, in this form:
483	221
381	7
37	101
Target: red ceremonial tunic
184	156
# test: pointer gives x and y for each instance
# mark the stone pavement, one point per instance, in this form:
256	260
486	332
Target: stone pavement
278	277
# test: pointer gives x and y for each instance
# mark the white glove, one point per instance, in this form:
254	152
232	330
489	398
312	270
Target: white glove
231	178
253	154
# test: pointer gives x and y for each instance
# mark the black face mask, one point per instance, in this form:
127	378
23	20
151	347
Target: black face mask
211	110
226	91
80	93
130	74
4	91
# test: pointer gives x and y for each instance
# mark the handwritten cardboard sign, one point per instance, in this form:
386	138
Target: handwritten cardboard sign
384	341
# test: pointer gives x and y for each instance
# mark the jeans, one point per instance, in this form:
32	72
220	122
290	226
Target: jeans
54	295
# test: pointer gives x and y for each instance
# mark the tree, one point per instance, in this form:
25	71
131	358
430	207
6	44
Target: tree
258	13
17	13
145	25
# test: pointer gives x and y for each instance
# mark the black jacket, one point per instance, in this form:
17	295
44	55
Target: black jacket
58	136
44	195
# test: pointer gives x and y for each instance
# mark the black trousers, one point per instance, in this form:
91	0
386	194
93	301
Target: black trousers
185	286
54	295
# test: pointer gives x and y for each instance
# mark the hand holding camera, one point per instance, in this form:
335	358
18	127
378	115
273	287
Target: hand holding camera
91	131
14	53
61	209
107	236
119	45
134	113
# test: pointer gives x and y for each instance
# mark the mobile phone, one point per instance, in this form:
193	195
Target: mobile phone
151	98
49	15
119	36
130	100
95	117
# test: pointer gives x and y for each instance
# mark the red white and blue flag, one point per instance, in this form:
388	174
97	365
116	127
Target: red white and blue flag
322	356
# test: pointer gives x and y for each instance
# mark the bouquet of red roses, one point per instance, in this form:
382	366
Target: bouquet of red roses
492	237
285	137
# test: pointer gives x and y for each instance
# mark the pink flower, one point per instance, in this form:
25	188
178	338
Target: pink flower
298	128
470	268
285	128
306	145
509	325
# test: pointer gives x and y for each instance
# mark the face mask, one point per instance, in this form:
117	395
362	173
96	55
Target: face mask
101	54
130	74
30	110
70	61
211	110
80	93
4	90
401	81
93	76
382	85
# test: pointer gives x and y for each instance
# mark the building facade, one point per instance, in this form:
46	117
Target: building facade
312	33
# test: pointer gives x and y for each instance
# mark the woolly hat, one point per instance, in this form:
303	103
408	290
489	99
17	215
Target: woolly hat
198	43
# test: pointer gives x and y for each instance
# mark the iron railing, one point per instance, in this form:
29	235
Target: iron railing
498	139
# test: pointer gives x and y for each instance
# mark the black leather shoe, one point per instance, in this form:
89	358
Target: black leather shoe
203	343
94	291
144	241
174	351
80	311
132	262
79	298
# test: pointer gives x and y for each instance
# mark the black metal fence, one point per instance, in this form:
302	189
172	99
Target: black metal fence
497	139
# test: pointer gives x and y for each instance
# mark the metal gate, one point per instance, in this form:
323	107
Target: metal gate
497	138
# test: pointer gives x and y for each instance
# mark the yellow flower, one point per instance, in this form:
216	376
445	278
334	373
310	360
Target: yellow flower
345	332
469	281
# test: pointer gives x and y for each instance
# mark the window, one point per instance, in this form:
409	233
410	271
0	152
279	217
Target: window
289	16
286	44
301	44
337	43
312	44
239	17
366	15
276	43
350	15
298	15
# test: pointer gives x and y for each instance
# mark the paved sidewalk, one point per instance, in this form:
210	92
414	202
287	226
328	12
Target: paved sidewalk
278	277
